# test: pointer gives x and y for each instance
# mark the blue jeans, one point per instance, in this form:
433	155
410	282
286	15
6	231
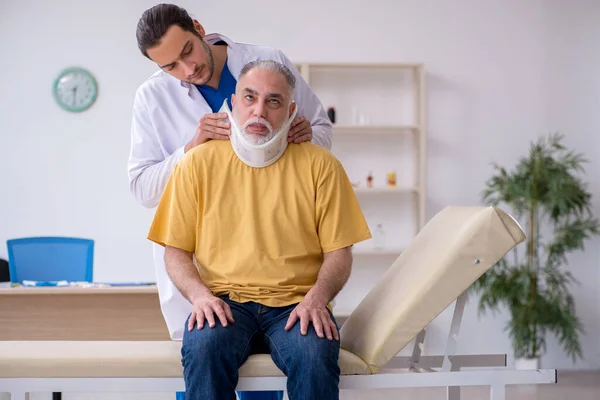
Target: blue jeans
257	395
211	357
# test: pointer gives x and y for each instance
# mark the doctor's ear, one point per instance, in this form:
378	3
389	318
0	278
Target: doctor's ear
199	29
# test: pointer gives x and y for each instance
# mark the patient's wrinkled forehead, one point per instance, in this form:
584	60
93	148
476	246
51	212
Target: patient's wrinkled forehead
264	83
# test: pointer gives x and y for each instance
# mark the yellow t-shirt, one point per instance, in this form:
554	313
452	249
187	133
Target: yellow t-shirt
259	234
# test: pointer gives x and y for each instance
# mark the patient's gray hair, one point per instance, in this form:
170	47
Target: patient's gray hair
274	66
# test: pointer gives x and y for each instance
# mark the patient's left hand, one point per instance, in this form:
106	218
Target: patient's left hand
319	315
300	130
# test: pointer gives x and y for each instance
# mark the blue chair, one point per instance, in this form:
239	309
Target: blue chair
50	259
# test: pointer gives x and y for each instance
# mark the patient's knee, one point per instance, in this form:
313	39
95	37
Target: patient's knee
207	343
315	354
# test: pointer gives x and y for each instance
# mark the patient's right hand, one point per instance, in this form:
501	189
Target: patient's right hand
205	307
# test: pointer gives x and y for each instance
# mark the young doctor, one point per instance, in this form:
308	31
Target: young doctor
177	108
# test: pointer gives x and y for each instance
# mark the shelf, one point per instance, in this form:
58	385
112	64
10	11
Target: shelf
385	190
358	89
360	65
374	129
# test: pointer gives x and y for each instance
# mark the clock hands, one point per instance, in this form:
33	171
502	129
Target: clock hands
74	94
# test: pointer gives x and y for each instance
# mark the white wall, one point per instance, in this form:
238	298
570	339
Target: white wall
500	73
571	94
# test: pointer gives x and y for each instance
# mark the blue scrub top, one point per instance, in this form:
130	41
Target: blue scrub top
216	97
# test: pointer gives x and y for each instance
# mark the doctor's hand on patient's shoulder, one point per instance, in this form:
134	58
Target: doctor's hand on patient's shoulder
300	130
306	312
205	307
211	126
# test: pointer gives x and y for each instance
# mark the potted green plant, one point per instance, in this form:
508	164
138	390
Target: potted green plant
546	195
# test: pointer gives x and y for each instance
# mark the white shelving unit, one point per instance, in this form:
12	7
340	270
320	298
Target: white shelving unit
380	121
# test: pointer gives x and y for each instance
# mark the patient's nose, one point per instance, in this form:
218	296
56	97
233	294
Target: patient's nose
259	110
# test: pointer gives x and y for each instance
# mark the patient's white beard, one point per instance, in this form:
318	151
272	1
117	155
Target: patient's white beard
254	150
255	138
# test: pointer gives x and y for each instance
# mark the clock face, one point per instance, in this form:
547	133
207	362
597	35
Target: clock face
75	89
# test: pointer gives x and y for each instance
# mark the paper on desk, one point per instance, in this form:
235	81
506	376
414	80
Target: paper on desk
45	283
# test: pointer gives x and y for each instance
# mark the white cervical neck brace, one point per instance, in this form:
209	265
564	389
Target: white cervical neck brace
258	155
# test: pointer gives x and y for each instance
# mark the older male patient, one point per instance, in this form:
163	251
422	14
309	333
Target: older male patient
258	237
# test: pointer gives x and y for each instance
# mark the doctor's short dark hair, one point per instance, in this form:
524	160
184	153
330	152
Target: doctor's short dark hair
271	65
155	21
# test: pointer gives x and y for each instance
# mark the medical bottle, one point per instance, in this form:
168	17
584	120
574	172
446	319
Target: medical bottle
379	238
331	114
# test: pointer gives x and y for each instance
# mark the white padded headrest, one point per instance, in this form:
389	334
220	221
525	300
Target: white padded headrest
450	253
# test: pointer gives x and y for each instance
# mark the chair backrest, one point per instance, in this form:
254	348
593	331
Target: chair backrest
448	255
51	259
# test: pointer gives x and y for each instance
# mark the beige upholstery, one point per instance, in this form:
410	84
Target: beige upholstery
33	359
454	249
447	256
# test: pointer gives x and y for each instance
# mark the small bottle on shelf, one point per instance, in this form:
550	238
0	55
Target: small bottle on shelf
370	179
391	179
379	238
331	114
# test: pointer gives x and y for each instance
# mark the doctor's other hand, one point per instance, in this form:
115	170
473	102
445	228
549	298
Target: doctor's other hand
318	315
211	126
205	308
300	130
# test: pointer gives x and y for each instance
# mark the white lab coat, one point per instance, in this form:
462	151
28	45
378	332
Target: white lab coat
166	112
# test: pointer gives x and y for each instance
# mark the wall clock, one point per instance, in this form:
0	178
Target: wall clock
75	89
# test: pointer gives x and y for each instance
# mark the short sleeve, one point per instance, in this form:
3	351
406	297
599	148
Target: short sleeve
176	218
340	221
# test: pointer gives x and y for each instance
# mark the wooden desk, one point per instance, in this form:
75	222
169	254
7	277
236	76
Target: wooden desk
72	313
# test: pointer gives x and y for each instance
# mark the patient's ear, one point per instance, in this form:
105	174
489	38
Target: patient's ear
233	100
292	108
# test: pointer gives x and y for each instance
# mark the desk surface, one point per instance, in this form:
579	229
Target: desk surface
66	290
80	313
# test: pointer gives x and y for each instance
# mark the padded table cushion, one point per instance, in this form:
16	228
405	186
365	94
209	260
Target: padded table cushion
49	359
447	256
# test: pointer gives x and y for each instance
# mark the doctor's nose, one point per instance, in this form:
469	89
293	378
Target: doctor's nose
189	69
